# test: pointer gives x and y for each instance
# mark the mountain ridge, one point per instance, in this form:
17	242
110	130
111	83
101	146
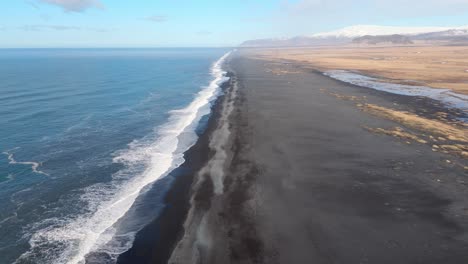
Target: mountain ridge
347	34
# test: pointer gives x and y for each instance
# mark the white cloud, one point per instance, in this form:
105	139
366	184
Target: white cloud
75	5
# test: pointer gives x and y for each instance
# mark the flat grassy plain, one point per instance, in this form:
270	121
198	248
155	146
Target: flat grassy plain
443	67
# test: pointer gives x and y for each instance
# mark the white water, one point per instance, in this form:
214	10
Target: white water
34	165
197	236
445	96
69	240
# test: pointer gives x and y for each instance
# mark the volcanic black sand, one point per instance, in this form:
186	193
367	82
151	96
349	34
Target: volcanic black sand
295	177
156	241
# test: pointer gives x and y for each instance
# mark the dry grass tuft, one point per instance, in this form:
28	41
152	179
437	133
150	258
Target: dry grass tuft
446	138
397	132
436	127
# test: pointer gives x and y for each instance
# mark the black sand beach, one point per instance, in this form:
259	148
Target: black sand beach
156	241
294	176
328	191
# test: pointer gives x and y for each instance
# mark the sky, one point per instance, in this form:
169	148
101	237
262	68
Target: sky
204	23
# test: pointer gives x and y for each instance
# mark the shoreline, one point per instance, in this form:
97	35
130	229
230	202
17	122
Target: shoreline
214	182
156	241
310	160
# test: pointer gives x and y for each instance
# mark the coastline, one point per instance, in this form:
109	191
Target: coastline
115	161
216	191
155	242
288	174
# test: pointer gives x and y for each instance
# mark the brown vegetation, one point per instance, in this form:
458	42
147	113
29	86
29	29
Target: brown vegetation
444	137
433	66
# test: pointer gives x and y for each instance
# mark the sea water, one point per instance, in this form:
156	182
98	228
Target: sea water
84	135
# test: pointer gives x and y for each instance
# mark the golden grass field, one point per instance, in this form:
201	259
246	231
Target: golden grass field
433	66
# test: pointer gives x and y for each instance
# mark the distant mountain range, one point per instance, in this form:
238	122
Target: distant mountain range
368	34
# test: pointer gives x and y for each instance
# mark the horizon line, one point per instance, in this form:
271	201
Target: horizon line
124	47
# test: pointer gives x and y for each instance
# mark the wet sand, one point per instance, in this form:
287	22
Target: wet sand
156	241
304	181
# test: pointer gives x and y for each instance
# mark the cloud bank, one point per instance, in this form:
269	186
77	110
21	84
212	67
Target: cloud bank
74	5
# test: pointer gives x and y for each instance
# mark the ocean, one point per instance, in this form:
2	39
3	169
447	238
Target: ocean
87	138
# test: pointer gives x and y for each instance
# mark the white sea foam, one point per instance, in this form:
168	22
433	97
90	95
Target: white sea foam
70	240
197	238
445	96
34	165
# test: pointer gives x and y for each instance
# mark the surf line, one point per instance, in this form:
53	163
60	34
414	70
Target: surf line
162	162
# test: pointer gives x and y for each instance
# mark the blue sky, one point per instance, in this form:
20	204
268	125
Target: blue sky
157	23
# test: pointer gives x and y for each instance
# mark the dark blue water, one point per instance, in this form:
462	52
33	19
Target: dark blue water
83	133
